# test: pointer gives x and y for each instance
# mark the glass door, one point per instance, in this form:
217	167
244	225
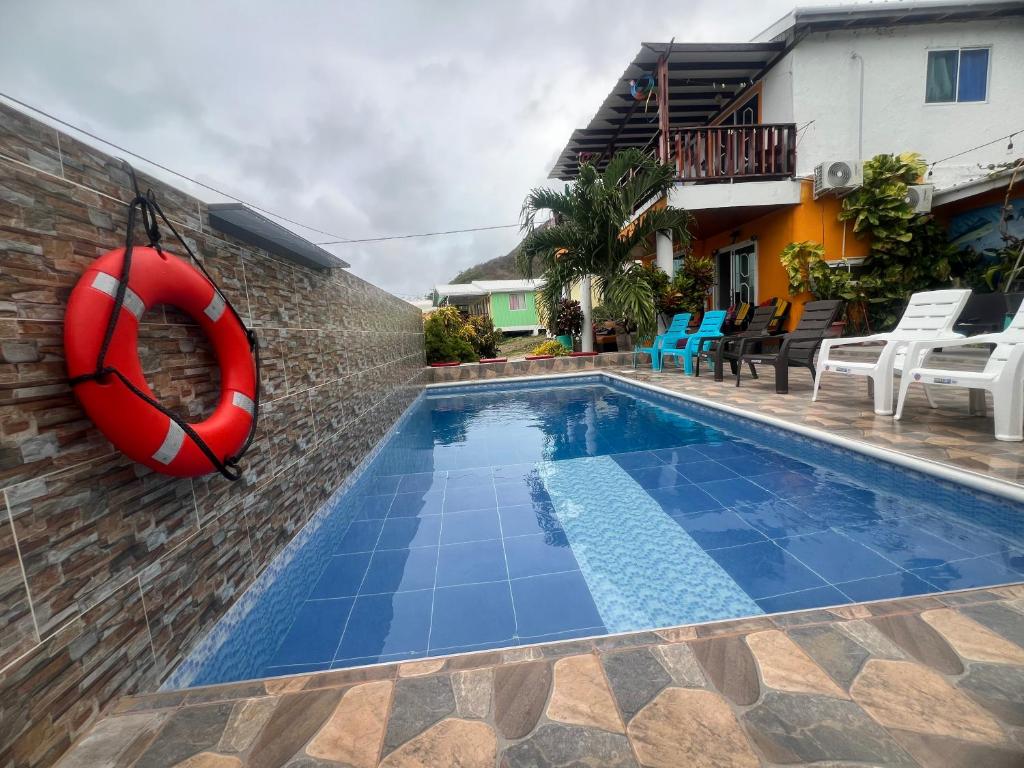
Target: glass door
736	276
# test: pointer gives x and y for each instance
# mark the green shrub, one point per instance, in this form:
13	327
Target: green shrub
480	332
551	347
444	337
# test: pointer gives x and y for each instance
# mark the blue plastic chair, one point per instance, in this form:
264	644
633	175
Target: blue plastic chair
676	331
709	330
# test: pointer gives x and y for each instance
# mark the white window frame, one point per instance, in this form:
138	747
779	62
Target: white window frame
956	86
522	297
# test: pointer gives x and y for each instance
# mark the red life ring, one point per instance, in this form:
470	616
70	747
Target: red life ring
137	428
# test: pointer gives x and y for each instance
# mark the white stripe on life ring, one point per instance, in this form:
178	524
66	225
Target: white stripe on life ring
108	284
168	450
216	307
244	402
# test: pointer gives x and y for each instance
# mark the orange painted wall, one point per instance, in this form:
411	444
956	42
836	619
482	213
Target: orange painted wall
810	220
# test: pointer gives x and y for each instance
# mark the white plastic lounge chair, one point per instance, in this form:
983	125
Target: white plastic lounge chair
929	316
1003	376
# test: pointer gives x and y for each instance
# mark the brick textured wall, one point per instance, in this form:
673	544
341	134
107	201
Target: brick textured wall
108	572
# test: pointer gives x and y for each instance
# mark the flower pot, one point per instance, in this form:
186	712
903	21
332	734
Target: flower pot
565	341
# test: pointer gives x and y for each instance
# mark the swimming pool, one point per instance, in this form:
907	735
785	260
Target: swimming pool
509	514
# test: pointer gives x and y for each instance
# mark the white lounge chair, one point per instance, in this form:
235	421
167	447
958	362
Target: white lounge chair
929	316
1003	376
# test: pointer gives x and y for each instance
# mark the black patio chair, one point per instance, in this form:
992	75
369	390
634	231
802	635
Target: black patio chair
794	349
758	326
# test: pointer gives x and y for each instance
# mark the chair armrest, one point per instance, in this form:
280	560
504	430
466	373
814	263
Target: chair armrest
751	340
875	338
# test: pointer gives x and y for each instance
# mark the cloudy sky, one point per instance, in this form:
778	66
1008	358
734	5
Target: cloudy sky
361	119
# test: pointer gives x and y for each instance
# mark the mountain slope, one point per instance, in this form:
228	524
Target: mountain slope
498	268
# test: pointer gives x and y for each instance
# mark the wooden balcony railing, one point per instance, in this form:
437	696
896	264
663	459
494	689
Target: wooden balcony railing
734	152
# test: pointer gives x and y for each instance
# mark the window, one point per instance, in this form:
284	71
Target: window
957	75
516	301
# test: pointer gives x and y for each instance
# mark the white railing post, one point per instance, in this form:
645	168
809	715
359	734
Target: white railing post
587	335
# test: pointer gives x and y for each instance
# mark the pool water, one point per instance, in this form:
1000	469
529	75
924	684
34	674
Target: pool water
504	515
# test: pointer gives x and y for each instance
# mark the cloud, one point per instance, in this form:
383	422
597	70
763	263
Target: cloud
360	118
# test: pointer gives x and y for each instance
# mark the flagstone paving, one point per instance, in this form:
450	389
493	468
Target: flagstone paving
923	681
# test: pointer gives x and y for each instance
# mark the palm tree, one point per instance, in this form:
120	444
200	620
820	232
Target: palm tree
590	233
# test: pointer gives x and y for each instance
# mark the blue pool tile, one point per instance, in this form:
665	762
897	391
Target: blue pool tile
469	478
735	491
787	483
683	499
527	492
463	499
539	553
478	525
902	584
387	624
1012	559
973	539
718	528
417	504
728	451
903	542
834	508
470	563
685	454
704	471
636	460
836	557
373	507
777	518
361	536
664	476
967	574
472	615
422	482
557	602
380	485
818	597
529	518
764	569
341	577
402	532
514	473
568	634
400	570
882	505
314	633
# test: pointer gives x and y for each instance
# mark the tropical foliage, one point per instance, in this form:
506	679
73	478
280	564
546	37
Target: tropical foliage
568	318
909	250
590	233
551	347
448	336
687	291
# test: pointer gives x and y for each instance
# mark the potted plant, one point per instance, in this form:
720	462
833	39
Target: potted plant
568	322
687	290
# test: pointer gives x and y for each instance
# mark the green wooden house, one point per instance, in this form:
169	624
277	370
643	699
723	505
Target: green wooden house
511	304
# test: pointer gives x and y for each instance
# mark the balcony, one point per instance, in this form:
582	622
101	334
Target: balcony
728	153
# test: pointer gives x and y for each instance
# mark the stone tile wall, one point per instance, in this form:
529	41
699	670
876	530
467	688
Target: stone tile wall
108	572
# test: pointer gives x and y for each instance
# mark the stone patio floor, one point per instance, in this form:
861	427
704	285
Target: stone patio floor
926	681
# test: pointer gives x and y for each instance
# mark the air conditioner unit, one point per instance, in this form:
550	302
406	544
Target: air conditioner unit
837	176
919	197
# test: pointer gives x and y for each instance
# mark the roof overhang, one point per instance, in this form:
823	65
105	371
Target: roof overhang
251	227
966	189
702	77
827	18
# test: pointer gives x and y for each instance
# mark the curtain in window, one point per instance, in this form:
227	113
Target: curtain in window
973	74
941	76
516	301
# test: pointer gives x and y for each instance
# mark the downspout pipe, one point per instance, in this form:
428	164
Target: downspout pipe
860	107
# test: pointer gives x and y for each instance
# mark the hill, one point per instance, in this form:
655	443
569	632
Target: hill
498	268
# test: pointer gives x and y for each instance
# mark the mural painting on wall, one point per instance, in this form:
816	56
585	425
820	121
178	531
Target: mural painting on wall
978	229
